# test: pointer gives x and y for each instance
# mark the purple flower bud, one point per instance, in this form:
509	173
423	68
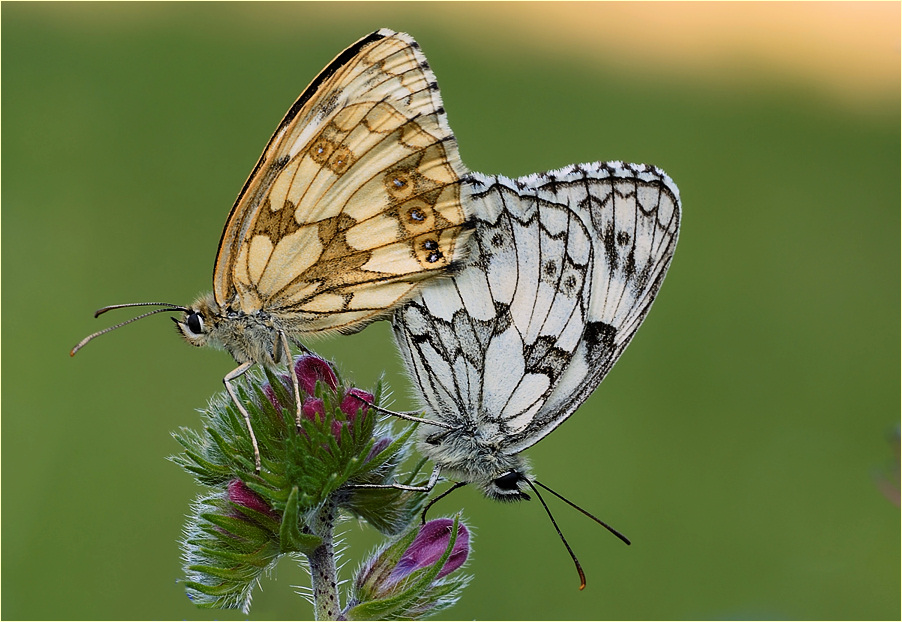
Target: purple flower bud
239	494
428	547
378	447
313	409
311	368
385	575
271	394
350	405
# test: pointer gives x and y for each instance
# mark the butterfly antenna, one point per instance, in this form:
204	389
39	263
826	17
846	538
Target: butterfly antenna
441	496
166	307
579	569
595	518
172	307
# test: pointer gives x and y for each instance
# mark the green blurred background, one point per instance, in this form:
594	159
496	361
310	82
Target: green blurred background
739	442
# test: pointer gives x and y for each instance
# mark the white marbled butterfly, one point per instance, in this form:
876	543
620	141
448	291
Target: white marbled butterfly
565	266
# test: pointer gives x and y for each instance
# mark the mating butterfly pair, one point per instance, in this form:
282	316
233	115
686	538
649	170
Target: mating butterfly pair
360	201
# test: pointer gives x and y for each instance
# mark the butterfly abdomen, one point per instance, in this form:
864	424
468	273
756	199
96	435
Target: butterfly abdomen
467	454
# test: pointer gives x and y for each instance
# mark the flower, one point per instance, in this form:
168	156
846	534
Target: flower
309	369
429	546
313	408
378	447
414	576
309	473
271	393
351	406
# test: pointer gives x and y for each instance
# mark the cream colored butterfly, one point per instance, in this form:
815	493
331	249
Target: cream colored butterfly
355	201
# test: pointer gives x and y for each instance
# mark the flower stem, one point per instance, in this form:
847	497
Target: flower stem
323	574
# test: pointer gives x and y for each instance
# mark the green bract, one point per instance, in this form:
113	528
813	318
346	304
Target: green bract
248	520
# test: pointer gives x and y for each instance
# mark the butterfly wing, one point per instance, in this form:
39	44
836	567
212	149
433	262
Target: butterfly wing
355	199
565	267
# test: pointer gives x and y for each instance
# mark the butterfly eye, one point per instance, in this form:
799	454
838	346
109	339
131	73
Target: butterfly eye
508	481
195	323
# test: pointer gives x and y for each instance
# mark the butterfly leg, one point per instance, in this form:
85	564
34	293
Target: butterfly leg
283	341
405	416
302	347
433	480
227	381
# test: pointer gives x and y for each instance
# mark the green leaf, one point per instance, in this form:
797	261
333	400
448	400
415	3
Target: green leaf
238	527
291	538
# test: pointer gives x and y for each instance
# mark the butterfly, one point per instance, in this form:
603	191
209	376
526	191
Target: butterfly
564	268
355	202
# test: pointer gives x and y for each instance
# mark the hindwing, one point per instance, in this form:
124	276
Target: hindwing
565	267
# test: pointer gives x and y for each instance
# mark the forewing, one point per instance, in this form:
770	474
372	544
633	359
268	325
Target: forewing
355	199
565	267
